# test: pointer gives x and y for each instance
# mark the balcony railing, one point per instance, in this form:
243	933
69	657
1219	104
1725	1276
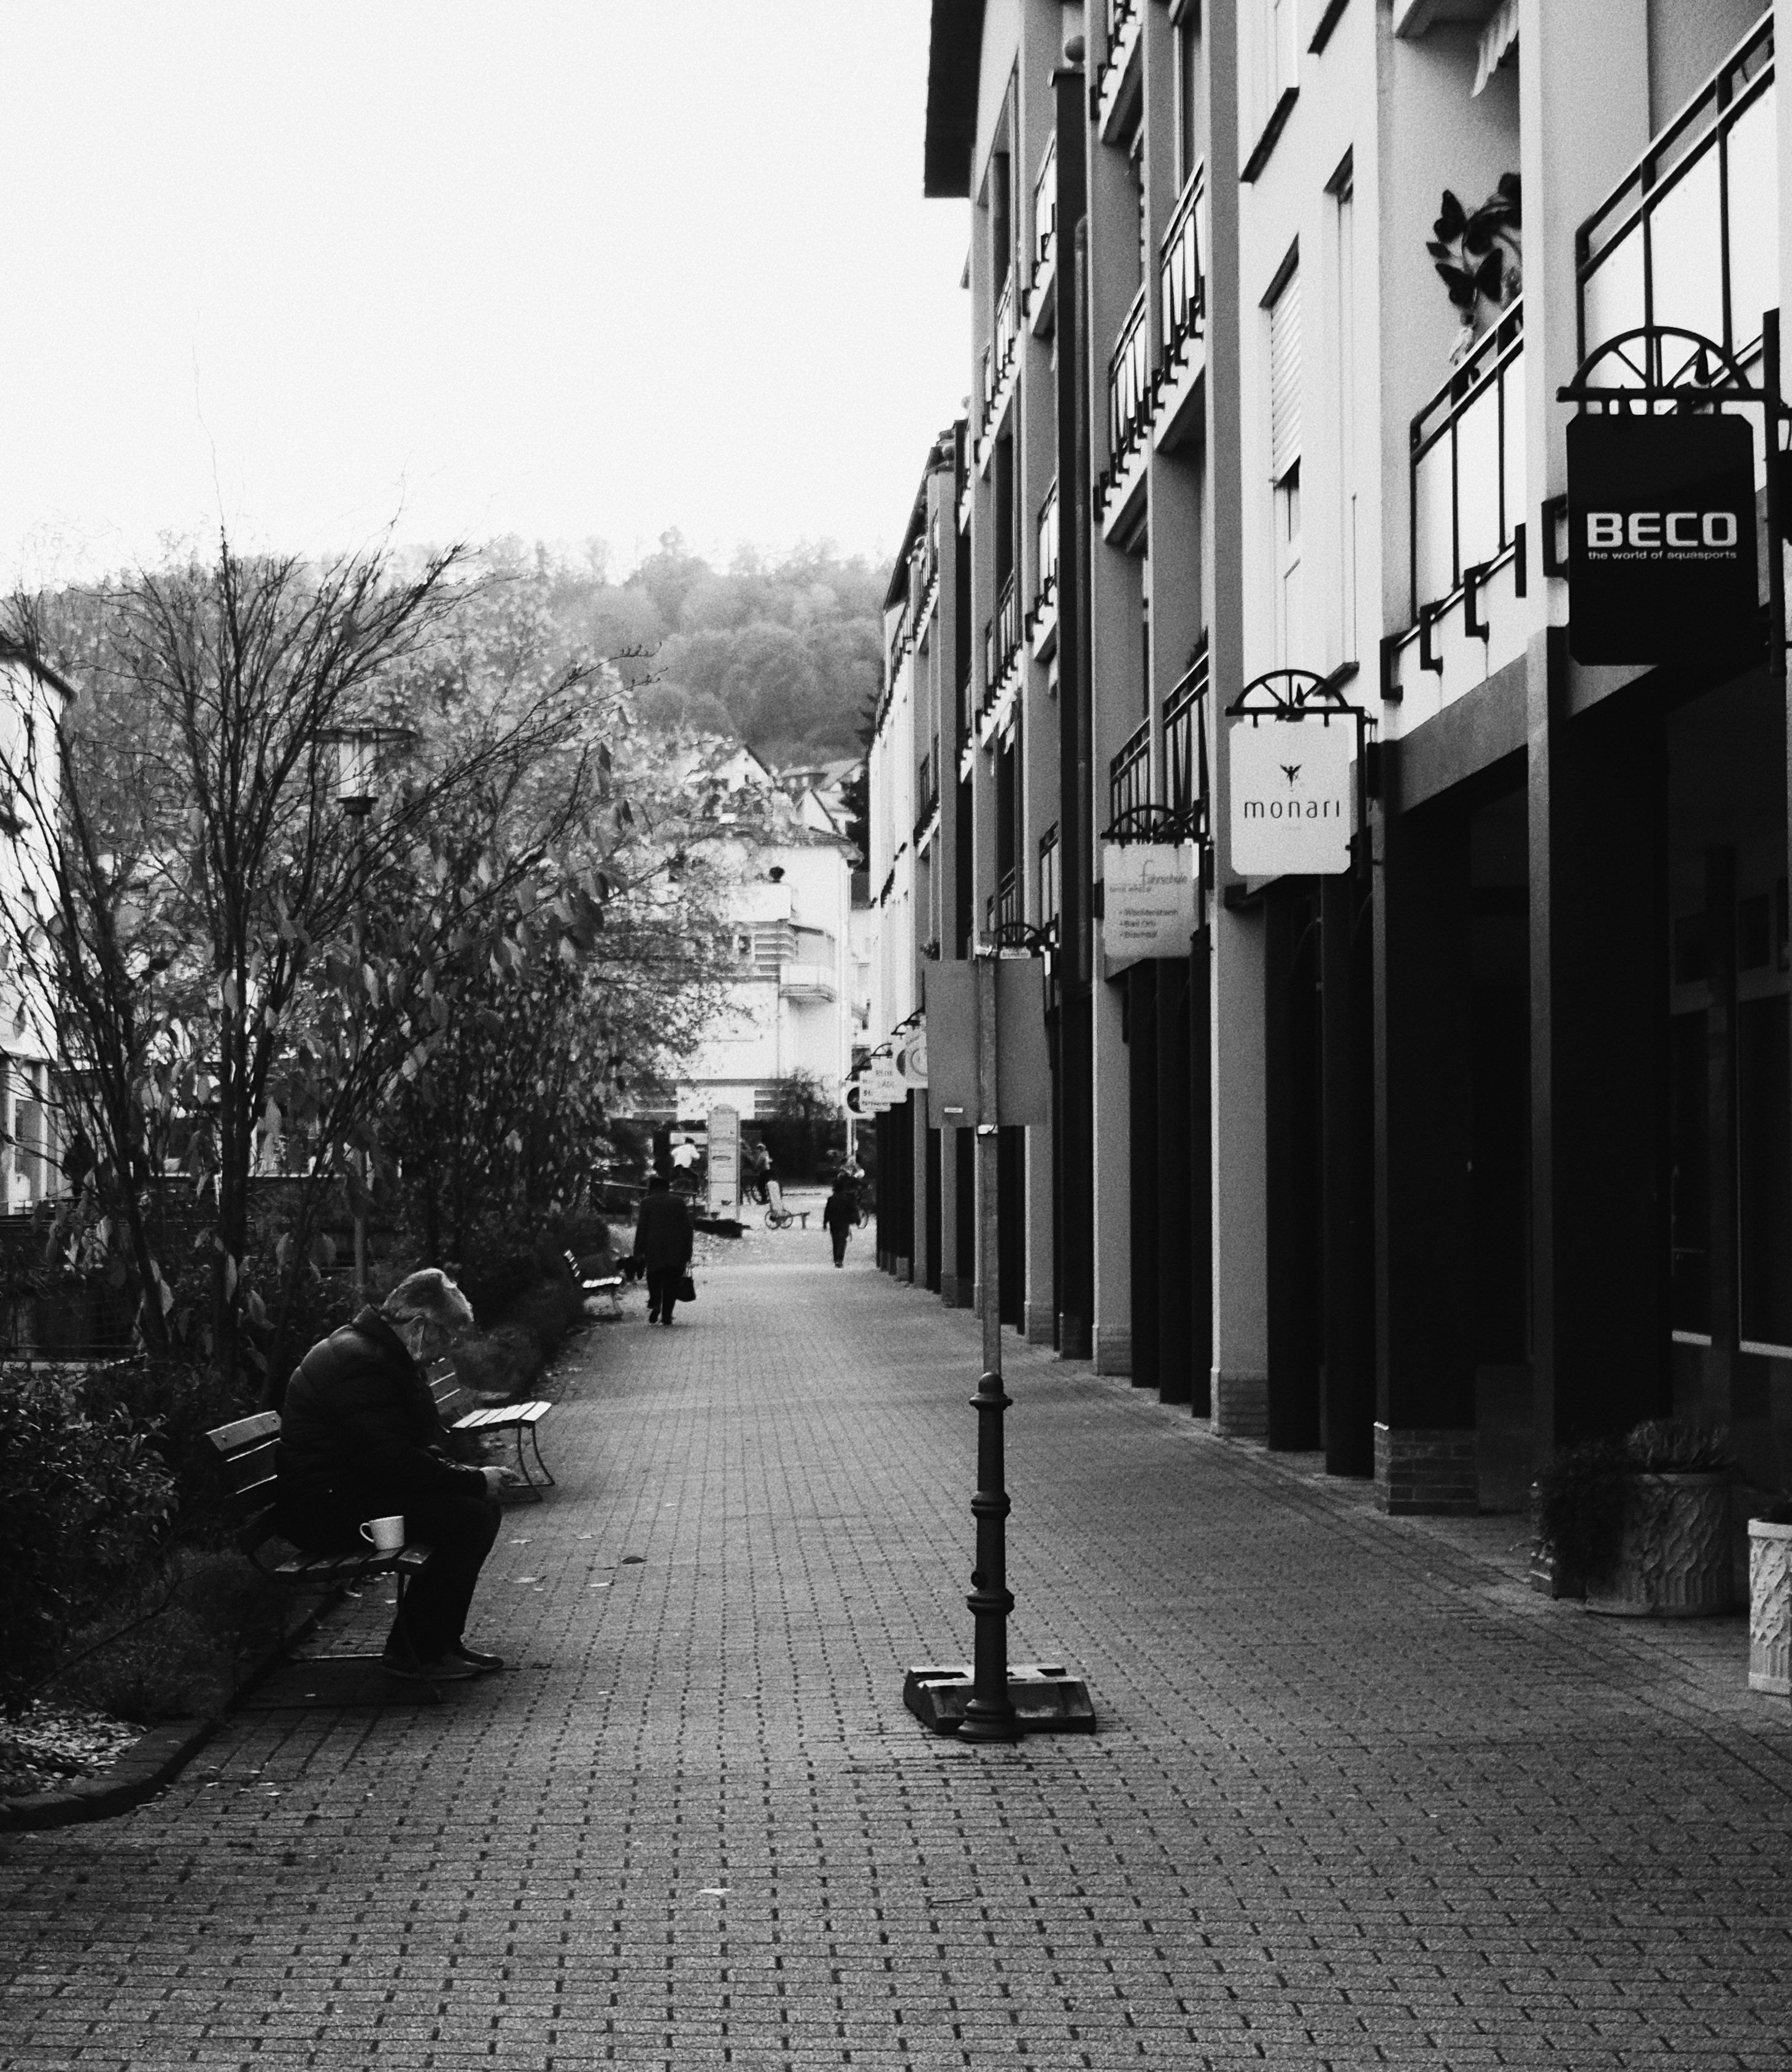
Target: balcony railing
1186	748
1051	894
1003	905
1179	268
1001	636
1045	208
1129	775
926	794
1690	236
1000	354
1468	464
1048	544
967	714
1120	13
1129	383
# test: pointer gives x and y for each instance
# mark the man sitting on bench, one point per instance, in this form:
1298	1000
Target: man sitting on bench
359	1439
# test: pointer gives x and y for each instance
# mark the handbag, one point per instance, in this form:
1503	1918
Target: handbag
687	1289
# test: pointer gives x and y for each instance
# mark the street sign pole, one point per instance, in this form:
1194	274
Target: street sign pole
989	1712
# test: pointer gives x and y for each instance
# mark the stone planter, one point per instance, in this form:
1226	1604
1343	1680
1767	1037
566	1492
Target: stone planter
1675	1558
1770	1607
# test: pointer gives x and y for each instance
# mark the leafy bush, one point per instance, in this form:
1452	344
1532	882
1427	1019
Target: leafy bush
84	1499
176	1641
1583	1494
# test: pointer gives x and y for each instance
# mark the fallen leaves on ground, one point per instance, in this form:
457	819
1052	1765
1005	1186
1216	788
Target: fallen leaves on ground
48	1743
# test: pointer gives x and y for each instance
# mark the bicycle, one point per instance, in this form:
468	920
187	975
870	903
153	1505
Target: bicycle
778	1217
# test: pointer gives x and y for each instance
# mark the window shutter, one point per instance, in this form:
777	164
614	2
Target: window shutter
1284	378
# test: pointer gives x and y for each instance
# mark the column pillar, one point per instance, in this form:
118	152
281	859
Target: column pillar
1144	1147
1178	1179
1425	1434
1347	1098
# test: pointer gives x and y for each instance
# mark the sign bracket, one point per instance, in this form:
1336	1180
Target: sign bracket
1290	694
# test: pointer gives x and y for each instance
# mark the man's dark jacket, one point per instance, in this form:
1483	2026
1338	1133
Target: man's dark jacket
359	1427
663	1233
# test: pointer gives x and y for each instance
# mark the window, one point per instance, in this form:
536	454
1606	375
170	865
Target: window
1274	60
1188	135
1344	198
1284	462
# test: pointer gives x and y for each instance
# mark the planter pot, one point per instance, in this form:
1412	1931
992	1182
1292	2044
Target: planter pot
1675	1559
1770	1607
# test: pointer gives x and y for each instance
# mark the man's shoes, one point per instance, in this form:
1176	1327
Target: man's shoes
653	1316
482	1664
439	1669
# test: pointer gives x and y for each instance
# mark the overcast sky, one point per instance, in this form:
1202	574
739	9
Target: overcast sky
560	268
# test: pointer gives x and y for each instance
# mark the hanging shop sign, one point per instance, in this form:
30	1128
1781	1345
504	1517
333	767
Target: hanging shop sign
884	1086
725	1161
911	1058
1023	1057
855	1097
1148	902
1293	794
1660	537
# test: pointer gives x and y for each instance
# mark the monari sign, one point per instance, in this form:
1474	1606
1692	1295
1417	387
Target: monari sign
1294	795
1661	539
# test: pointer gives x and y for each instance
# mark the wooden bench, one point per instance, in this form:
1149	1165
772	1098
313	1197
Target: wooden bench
461	1411
247	1451
602	1287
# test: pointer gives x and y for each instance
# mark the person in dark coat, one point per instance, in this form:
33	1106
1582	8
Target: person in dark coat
840	1217
663	1243
359	1438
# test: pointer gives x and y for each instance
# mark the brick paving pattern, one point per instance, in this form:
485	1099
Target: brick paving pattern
1360	1798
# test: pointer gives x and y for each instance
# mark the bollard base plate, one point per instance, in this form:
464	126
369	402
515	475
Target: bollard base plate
1046	1700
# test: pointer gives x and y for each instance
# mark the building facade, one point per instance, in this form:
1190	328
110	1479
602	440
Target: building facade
1483	1142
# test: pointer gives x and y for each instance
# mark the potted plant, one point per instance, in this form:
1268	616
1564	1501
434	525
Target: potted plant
1643	1522
1770	1598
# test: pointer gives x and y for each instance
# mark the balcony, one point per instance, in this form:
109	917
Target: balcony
1467	448
1185	749
1471	605
1001	641
1690	237
967	714
1130	398
1045	234
1129	775
1179	271
1051	888
926	796
999	358
1042	621
1002	908
1117	87
815	982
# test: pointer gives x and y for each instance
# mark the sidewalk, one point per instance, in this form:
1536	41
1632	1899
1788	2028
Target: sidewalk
1359	1798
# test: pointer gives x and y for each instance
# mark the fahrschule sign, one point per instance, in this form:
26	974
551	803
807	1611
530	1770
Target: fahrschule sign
1660	538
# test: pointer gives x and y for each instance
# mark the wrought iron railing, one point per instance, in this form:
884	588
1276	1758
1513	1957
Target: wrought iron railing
1005	630
1129	383
1468	464
1003	907
1048	544
1000	356
1129	775
1051	889
1689	237
1179	267
967	714
1045	208
926	794
1186	748
1120	13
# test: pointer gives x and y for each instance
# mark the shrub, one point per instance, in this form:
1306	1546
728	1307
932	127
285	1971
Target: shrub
1583	1494
84	1499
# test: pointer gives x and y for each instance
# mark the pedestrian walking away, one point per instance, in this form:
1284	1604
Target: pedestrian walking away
359	1438
840	1217
663	1243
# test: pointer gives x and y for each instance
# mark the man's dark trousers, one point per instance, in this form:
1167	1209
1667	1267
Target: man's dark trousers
839	1237
459	1531
663	1292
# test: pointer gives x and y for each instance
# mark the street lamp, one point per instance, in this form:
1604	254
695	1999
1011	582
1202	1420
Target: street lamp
357	750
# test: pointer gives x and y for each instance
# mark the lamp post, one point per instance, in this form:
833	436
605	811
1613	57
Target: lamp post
357	750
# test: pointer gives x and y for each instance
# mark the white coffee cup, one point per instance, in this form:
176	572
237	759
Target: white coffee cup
387	1534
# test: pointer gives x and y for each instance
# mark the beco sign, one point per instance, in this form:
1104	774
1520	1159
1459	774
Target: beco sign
1293	796
1660	538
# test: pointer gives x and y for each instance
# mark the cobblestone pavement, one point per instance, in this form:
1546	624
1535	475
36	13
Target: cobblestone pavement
1359	1798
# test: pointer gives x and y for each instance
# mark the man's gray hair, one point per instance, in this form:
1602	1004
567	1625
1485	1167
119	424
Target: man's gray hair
430	1294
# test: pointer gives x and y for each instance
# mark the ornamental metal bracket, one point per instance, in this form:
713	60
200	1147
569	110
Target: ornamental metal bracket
1020	939
1157	824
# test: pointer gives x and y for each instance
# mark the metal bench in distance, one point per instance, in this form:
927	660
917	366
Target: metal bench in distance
247	1451
603	1287
461	1411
